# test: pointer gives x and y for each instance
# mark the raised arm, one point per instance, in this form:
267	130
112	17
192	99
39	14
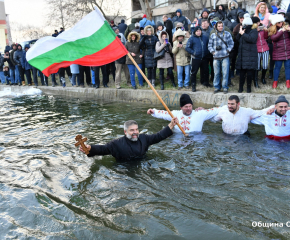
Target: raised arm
99	150
160	114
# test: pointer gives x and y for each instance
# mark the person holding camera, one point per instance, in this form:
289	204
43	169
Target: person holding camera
197	48
220	45
165	62
11	67
248	53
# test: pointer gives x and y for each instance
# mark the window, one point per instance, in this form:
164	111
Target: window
157	2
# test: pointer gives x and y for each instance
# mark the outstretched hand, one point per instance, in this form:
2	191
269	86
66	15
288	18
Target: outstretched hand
270	111
173	122
199	108
150	111
88	147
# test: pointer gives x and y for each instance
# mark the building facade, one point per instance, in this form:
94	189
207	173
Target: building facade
3	27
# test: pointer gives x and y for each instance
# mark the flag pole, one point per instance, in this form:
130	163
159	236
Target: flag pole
156	93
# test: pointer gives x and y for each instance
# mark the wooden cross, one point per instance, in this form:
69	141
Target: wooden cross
81	141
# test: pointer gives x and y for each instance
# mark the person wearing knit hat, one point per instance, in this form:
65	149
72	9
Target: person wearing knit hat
191	121
282	12
146	22
247	55
144	16
277	123
280	36
112	24
263	50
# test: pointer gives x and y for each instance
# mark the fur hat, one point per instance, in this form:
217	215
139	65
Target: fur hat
247	20
281	99
276	18
185	99
255	19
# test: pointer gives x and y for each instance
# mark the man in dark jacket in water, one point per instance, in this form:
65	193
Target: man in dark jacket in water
132	146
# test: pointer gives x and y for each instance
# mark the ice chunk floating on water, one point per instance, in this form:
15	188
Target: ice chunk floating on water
10	92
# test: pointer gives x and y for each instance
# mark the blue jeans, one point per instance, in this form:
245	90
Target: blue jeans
8	79
278	65
12	75
180	73
17	75
224	66
73	79
2	77
132	70
93	76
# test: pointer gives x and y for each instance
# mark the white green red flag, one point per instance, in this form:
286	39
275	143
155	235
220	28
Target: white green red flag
91	42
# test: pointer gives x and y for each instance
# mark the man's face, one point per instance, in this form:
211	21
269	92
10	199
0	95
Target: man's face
14	47
117	31
220	27
198	33
26	49
19	47
281	108
177	14
220	8
233	106
164	19
205	25
132	133
142	32
187	109
204	15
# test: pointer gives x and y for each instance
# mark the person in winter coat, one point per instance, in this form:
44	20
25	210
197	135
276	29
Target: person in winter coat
262	12
2	77
279	33
221	12
145	22
17	58
220	45
268	5
197	47
274	8
166	62
204	15
182	59
11	67
159	28
169	26
122	26
147	44
248	53
75	71
7	48
121	65
137	28
180	26
96	76
26	66
180	18
16	72
263	50
130	27
233	10
133	47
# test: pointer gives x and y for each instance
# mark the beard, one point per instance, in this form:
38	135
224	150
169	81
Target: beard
130	137
232	110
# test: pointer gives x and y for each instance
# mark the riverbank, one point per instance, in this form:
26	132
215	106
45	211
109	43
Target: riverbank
145	95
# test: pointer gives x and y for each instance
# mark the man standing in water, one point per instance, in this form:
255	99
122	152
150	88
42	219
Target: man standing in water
132	146
236	118
189	120
277	124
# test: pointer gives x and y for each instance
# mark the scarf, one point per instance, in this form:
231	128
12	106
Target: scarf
261	16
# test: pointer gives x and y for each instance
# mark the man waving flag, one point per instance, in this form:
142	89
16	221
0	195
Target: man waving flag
91	42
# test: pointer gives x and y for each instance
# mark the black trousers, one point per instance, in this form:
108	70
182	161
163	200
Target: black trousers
43	79
111	68
28	76
249	73
211	67
201	64
97	75
62	71
21	72
34	74
272	62
151	73
85	70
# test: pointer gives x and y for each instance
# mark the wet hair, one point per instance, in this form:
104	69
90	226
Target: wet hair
234	97
129	123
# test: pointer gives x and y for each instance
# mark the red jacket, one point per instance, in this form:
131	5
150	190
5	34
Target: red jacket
262	45
281	45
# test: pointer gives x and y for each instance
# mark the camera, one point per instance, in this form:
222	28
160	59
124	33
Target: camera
180	43
244	27
218	48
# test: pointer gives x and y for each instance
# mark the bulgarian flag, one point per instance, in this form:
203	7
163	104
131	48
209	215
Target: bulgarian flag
91	42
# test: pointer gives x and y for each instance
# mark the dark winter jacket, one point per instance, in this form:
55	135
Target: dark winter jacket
8	60
124	149
233	13
147	44
7	48
130	27
206	32
196	46
169	26
221	14
281	45
122	26
18	55
6	74
1	63
248	53
12	55
181	19
200	19
133	47
24	63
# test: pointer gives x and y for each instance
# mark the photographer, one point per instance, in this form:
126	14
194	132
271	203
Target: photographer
248	53
197	47
11	67
220	45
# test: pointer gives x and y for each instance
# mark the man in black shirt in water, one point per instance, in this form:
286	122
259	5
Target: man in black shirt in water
132	146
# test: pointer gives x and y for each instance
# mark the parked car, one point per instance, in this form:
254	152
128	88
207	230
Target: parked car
30	42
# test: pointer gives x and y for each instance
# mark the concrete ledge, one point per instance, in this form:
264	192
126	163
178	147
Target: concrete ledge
146	96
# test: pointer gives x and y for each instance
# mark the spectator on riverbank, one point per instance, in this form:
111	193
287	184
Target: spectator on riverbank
11	67
26	66
180	18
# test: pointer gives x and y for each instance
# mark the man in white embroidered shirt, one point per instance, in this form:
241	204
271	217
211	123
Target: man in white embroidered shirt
190	121
277	124
236	118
